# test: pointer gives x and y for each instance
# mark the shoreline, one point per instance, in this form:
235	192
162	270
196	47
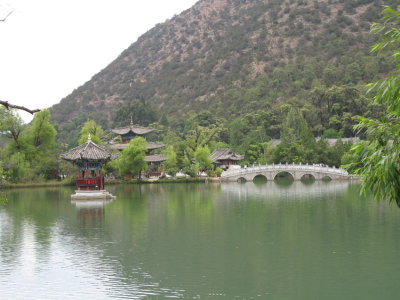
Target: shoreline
108	182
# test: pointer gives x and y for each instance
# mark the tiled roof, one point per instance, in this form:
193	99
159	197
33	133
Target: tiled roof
138	130
225	154
150	146
155	158
118	146
88	151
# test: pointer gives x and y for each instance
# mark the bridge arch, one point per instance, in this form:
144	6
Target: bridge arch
260	178
284	174
272	172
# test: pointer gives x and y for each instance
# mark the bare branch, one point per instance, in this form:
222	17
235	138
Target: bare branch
9	105
5	18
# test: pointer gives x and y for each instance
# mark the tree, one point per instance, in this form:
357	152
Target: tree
132	157
95	130
380	155
43	132
295	129
202	157
171	164
11	123
40	145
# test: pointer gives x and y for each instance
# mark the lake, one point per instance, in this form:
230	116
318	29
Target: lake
270	240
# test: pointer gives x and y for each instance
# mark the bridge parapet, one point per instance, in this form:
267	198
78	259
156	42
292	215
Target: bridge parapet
296	170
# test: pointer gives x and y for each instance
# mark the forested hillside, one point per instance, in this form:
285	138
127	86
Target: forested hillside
240	66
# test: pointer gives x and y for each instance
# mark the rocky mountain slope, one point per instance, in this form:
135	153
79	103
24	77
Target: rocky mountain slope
231	57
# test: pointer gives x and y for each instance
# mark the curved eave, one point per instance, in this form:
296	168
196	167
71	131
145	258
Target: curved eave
89	152
134	129
155	158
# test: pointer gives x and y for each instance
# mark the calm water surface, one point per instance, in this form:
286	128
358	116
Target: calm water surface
200	241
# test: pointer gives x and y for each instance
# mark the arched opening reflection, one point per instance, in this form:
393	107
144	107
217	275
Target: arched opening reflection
326	178
307	179
241	180
284	178
260	179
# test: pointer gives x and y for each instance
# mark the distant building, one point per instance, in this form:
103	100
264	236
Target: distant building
225	157
128	133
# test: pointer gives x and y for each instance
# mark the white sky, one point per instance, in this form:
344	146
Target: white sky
50	47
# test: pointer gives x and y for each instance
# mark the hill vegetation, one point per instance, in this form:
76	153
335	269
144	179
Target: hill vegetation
237	68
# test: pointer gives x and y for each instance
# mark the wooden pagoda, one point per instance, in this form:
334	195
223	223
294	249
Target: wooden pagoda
89	159
128	133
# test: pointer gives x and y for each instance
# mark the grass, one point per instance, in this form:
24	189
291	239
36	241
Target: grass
35	184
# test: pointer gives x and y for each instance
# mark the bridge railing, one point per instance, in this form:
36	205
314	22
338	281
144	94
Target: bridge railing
285	167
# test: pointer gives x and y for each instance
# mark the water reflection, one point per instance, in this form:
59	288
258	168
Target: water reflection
200	241
90	211
287	189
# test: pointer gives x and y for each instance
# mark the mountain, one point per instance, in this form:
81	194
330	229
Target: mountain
232	58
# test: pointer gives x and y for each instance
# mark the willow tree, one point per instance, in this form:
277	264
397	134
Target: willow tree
378	159
132	159
95	131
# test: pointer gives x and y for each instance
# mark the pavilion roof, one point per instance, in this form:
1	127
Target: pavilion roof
88	151
138	130
150	146
225	154
155	158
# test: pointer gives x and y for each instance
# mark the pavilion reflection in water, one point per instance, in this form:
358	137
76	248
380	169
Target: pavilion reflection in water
91	211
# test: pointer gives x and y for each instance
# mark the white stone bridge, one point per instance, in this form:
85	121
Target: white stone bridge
298	172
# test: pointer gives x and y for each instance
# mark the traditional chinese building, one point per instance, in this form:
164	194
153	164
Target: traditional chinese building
225	157
128	133
89	159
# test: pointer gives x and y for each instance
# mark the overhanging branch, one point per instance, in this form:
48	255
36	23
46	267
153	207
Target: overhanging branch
9	105
2	20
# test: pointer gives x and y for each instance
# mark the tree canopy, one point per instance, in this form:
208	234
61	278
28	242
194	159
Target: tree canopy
378	159
132	157
95	131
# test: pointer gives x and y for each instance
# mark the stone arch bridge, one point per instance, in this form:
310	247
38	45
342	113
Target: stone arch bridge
298	172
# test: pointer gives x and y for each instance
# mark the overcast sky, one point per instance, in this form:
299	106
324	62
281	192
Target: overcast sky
50	47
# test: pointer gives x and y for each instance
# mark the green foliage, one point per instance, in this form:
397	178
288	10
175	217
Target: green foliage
218	172
295	128
30	155
43	132
132	157
240	85
232	69
331	133
256	154
140	112
18	169
378	158
193	170
202	157
171	164
11	123
95	131
290	153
